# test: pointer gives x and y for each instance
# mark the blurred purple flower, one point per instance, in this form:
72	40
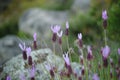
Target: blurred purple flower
55	28
8	78
104	15
89	55
106	52
67	25
32	72
95	77
28	51
22	46
35	36
66	58
80	40
80	36
50	69
119	51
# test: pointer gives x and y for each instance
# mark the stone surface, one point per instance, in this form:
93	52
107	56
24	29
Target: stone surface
8	48
81	5
40	21
41	57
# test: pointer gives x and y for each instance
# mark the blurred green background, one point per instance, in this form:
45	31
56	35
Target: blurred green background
90	23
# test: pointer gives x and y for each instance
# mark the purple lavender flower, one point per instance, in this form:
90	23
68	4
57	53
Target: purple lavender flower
29	56
119	51
67	62
95	77
8	78
55	29
32	72
50	69
80	40
83	70
35	41
22	76
60	35
23	48
105	17
66	58
89	56
105	54
67	28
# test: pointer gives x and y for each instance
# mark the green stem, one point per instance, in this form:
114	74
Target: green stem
54	47
105	36
67	43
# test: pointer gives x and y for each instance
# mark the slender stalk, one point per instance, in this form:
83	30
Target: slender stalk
67	42
54	47
105	37
61	49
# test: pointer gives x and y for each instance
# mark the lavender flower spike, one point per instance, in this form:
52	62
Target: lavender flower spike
32	73
67	25
106	51
95	77
80	36
50	69
55	28
119	51
35	36
66	58
8	78
28	50
23	48
104	15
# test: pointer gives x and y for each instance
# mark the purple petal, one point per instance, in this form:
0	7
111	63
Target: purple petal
35	36
66	58
105	51
119	51
104	15
60	34
80	36
28	50
8	78
95	77
67	25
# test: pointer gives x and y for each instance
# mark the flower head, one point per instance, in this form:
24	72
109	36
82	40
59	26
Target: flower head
28	50
95	77
60	34
119	51
32	71
8	78
80	36
22	46
105	52
35	36
67	25
66	58
55	28
104	15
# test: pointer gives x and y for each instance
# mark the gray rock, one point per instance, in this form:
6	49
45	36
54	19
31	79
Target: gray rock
8	48
80	5
40	21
